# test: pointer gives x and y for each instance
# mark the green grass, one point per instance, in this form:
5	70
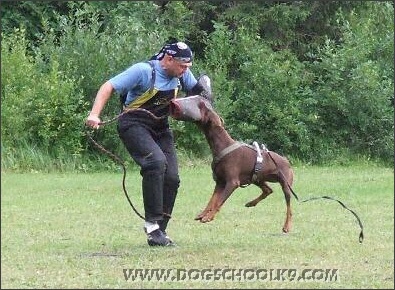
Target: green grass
66	230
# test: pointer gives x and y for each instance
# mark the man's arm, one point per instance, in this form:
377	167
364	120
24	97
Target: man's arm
203	88
101	99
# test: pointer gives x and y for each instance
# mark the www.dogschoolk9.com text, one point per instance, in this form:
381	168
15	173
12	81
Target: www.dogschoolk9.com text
231	275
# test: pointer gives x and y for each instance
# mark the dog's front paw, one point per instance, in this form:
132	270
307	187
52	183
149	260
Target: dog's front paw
208	217
200	215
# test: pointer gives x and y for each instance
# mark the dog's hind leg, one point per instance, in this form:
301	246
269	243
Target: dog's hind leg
266	190
286	183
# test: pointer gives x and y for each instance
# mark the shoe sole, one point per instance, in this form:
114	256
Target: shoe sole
153	244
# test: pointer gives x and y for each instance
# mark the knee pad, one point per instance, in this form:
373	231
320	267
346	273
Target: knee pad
152	165
172	181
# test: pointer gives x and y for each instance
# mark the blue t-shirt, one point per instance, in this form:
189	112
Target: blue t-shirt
136	80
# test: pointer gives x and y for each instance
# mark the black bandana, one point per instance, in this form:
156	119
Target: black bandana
178	50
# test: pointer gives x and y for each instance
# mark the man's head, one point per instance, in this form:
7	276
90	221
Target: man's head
175	58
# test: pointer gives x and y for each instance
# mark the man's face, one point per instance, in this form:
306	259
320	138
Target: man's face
176	68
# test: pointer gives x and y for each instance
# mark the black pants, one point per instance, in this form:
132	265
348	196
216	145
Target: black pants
151	145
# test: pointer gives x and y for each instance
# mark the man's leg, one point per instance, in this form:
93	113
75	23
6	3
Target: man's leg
147	154
171	178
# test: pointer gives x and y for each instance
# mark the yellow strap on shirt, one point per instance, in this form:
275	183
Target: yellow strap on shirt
138	102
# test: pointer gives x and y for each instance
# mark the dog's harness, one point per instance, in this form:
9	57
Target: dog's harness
259	159
226	151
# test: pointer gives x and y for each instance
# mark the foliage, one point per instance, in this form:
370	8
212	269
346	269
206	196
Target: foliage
353	86
30	16
41	108
264	85
313	81
287	107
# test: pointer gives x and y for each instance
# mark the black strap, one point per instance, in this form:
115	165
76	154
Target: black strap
182	85
122	97
153	76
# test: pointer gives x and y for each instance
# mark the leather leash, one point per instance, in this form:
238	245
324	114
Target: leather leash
361	236
115	157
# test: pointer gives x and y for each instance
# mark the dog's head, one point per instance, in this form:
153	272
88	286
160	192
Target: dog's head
187	109
208	116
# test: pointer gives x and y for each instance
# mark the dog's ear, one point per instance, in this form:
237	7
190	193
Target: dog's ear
203	111
202	105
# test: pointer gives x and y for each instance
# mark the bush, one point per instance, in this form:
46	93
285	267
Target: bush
353	88
41	108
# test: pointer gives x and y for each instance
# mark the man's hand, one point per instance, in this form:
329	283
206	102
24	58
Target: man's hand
93	121
101	99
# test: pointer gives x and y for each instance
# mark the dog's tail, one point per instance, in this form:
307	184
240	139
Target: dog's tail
285	180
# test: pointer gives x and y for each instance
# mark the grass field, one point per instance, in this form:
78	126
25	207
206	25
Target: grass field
78	231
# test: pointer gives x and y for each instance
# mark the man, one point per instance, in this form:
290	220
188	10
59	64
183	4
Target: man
144	130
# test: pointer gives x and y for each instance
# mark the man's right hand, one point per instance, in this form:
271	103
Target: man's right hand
93	121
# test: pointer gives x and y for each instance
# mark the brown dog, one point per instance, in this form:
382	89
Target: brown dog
234	163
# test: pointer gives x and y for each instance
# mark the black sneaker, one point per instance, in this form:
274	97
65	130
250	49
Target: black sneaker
158	238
